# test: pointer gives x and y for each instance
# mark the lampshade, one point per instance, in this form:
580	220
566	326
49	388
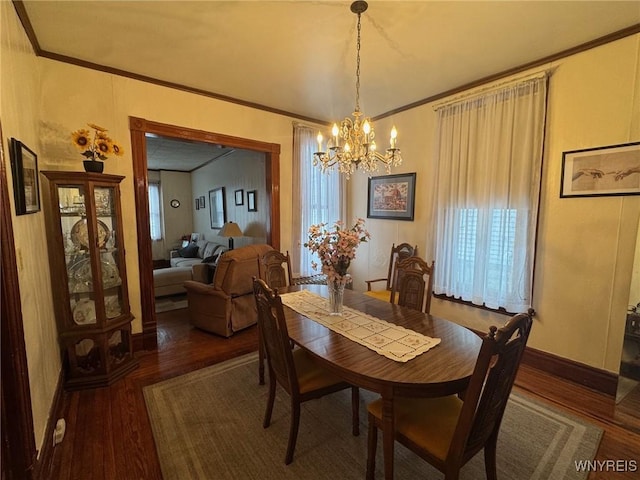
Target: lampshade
230	230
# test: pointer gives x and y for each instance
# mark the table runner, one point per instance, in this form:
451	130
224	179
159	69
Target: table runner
390	340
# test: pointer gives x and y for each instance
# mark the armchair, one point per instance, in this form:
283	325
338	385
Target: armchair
227	305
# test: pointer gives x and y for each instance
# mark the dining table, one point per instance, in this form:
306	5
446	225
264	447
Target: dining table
444	369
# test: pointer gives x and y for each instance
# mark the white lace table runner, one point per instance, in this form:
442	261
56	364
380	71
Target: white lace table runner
394	342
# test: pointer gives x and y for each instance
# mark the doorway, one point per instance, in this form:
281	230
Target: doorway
139	128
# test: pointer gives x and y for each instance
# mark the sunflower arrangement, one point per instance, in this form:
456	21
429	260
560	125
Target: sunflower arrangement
98	147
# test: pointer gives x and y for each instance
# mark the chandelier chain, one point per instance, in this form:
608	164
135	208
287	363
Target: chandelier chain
358	67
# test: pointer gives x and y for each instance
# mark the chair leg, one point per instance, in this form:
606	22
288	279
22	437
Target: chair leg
270	401
490	458
293	431
260	359
355	411
372	445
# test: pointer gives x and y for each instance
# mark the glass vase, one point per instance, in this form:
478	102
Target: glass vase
336	298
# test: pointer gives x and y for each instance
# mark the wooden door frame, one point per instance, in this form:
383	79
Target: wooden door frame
18	437
139	127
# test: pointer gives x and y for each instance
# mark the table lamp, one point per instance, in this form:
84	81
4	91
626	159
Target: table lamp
230	230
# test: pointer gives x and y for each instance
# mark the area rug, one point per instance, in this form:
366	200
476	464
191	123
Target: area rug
174	302
207	424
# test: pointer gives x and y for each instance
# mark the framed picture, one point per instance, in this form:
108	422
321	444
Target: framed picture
392	196
197	204
601	171
217	207
26	189
251	201
239	197
202	203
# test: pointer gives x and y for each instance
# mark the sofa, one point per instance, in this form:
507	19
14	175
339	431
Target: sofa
202	251
227	305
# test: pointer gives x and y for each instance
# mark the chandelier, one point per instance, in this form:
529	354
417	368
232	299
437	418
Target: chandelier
352	144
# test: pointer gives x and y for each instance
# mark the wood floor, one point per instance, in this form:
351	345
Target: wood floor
108	434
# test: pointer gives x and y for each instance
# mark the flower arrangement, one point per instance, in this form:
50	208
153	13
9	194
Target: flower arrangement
336	248
98	147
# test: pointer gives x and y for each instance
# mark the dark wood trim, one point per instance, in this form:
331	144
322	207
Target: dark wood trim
591	377
18	438
139	127
597	379
45	460
612	37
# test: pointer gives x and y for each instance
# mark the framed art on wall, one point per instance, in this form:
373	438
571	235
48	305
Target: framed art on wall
217	207
26	189
251	201
197	204
601	171
392	197
202	202
239	194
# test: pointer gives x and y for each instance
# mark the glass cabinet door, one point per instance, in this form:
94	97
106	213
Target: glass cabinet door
75	235
110	254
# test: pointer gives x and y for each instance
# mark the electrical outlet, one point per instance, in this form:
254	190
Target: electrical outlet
58	432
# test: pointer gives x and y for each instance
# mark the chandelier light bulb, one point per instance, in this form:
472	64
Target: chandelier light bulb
366	127
319	137
394	135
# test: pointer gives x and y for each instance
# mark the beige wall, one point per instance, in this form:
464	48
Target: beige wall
177	221
243	170
19	110
585	245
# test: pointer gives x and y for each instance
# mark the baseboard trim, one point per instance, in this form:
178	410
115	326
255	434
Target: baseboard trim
576	372
591	377
44	463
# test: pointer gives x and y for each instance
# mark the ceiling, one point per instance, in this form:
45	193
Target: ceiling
182	156
298	57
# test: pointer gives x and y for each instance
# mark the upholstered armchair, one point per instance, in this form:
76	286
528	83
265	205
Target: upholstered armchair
227	305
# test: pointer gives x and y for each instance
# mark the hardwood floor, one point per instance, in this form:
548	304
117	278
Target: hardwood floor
109	437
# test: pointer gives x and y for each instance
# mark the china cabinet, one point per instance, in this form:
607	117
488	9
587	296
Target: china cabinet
88	274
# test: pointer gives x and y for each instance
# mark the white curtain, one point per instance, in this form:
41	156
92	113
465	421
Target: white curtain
489	156
155	216
317	197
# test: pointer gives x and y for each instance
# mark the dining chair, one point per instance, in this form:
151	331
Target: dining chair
448	431
275	270
413	283
294	369
402	251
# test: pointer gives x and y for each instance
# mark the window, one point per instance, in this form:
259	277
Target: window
155	216
317	197
489	158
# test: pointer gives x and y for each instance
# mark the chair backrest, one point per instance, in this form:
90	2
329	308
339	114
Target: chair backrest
413	283
490	385
275	269
274	335
400	252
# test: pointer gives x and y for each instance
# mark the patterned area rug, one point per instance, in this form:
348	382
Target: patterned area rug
174	302
208	424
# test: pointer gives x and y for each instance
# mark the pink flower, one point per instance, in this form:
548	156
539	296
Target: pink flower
336	248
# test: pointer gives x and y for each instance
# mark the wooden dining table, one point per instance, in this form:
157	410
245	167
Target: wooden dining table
443	370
